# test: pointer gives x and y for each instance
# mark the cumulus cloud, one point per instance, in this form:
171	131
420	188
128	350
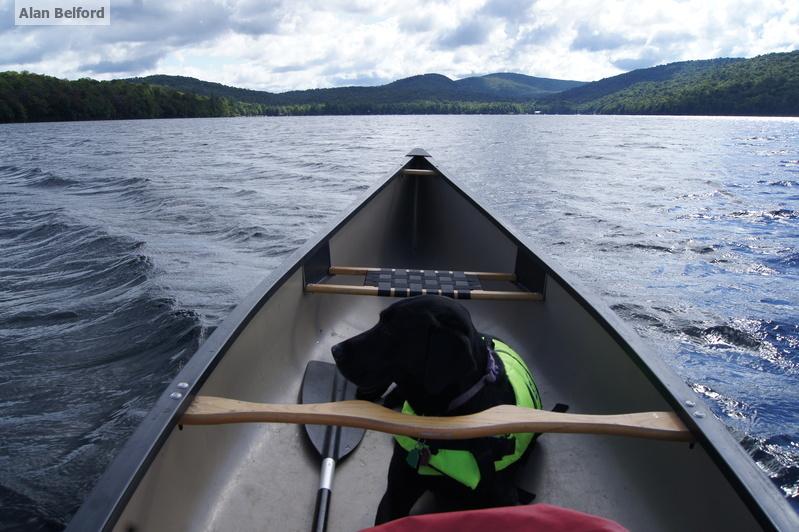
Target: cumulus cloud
594	40
540	35
364	80
415	23
509	9
646	58
469	32
133	64
280	45
253	17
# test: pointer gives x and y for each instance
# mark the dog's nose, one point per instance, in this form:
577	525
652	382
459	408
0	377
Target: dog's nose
337	351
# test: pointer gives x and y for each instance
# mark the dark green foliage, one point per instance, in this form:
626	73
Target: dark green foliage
31	97
663	73
516	87
764	85
206	88
26	97
416	107
490	88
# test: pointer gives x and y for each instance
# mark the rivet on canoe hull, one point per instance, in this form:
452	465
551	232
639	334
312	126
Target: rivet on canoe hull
699	414
690	404
183	385
176	395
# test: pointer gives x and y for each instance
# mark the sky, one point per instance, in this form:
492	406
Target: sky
278	45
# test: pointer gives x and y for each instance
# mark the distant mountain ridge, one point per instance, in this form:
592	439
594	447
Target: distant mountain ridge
763	85
767	85
660	73
489	88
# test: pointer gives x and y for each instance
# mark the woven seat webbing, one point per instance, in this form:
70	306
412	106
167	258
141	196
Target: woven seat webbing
412	282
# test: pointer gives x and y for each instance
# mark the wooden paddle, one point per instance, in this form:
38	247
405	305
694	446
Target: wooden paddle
498	420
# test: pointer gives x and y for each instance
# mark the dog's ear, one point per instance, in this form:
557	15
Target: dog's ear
449	357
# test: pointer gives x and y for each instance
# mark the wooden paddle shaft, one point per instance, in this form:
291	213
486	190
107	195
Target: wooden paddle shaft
503	419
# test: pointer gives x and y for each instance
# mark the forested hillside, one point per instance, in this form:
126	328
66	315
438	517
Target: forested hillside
501	87
26	97
763	85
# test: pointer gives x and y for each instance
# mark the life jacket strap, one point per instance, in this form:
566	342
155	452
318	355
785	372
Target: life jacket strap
490	377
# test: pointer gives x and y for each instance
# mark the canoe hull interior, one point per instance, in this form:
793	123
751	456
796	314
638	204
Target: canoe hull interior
264	477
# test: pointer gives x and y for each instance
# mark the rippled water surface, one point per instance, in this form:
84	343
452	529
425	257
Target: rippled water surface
125	243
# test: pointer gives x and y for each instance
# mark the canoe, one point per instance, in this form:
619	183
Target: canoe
261	476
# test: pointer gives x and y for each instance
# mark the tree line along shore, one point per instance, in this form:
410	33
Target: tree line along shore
766	85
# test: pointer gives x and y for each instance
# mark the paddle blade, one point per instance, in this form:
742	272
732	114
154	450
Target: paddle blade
323	383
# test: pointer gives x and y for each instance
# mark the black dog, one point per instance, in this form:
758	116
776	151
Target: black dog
441	365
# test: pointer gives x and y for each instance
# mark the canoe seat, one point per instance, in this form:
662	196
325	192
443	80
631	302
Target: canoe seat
404	282
414	281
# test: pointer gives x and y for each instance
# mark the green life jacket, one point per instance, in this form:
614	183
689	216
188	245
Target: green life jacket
461	465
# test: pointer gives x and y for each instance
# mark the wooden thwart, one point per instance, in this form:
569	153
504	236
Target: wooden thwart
360	270
317	288
504	419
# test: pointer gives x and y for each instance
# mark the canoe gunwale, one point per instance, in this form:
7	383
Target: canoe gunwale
757	491
106	501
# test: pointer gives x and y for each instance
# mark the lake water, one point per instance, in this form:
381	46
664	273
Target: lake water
125	243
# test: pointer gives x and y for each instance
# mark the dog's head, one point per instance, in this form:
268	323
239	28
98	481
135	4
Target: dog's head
426	344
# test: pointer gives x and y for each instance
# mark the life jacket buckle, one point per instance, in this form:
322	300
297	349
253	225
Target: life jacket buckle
419	456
